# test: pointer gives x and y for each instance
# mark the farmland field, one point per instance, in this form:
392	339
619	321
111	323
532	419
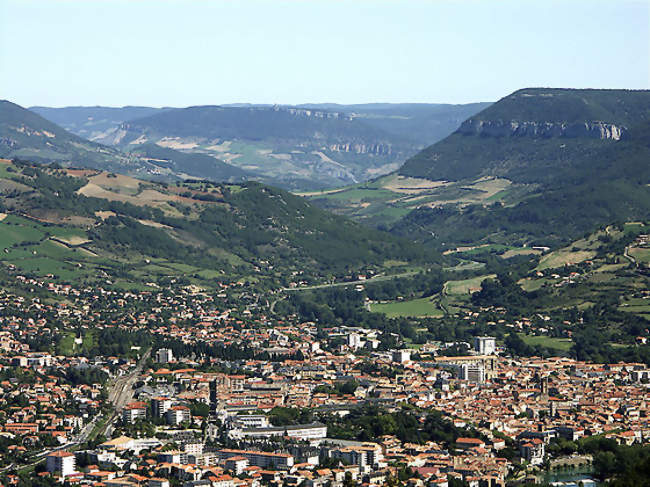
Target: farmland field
562	257
416	307
466	286
641	254
559	344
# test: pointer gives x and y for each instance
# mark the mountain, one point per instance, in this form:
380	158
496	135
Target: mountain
81	225
296	147
92	123
539	166
530	132
422	123
190	164
570	160
26	135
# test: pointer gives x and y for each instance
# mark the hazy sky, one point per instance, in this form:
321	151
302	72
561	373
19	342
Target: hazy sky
190	52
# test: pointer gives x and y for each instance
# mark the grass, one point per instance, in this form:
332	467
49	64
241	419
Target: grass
641	254
422	307
559	344
361	194
4	174
15	230
562	257
466	286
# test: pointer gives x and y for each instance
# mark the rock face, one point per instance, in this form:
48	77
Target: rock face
358	148
515	128
304	112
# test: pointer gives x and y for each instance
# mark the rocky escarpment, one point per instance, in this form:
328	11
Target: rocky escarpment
309	113
359	148
515	128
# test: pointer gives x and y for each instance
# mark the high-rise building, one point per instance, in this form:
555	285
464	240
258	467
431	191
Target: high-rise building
61	461
485	345
401	356
164	356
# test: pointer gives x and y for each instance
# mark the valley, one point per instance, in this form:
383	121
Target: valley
324	244
294	147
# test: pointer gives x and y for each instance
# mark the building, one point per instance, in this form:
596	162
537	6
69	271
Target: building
160	405
468	443
301	431
366	455
488	362
250	421
193	448
279	461
134	411
532	451
61	461
236	465
473	372
401	356
640	375
354	341
164	356
178	414
485	345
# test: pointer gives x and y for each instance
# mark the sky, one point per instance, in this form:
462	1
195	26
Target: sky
195	52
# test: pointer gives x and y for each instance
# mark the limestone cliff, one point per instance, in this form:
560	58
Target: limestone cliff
516	128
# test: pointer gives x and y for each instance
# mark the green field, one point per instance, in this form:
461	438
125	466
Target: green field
465	286
637	306
15	230
416	307
559	344
563	257
641	255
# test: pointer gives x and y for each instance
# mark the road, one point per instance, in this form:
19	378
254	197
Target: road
352	283
627	255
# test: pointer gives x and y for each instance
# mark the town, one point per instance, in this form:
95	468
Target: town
182	387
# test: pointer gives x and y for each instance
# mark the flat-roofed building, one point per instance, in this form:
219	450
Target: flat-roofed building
280	461
61	461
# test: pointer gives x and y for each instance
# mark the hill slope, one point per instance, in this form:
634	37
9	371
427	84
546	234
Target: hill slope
296	147
540	165
577	158
531	132
84	225
26	135
195	165
92	123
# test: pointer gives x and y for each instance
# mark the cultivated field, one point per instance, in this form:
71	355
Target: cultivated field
563	257
466	286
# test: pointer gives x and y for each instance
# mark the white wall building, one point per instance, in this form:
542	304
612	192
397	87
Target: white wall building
485	345
164	356
61	461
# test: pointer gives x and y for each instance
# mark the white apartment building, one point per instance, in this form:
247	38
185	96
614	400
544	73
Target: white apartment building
61	461
485	345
